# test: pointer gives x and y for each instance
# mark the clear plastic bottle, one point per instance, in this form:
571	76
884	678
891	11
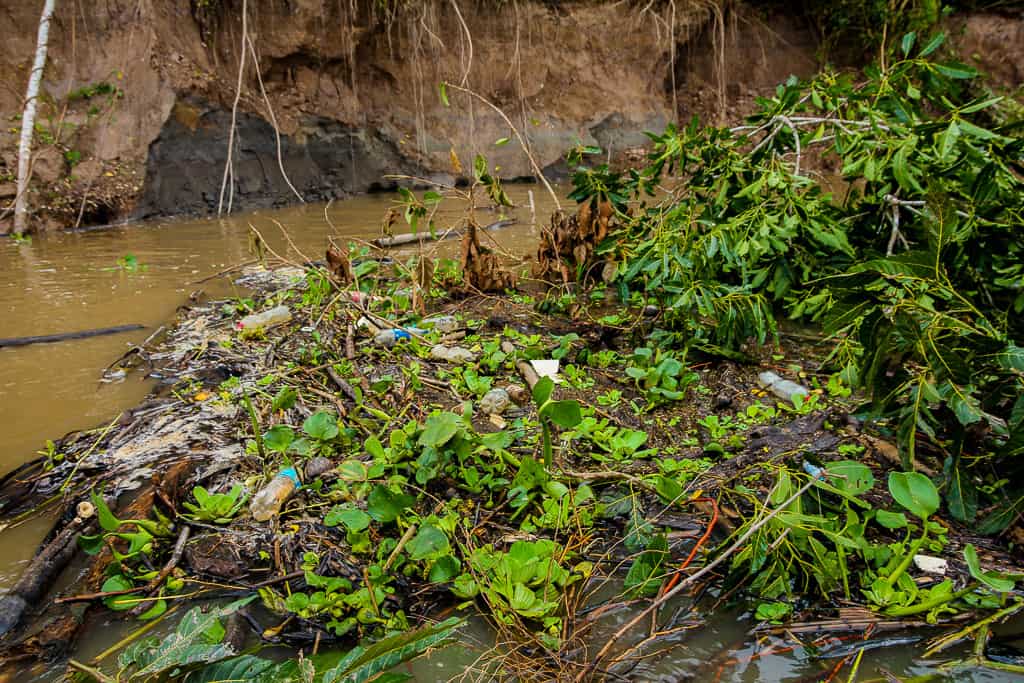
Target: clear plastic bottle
275	316
783	388
442	323
269	500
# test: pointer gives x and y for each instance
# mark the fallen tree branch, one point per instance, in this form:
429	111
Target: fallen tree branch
40	574
411	238
64	336
172	562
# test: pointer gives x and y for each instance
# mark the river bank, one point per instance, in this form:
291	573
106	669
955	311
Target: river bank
426	499
138	101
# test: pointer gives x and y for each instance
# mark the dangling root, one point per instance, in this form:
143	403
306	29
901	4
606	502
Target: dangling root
481	267
567	246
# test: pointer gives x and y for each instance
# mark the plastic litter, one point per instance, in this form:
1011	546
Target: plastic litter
452	354
442	323
783	388
931	565
495	402
365	323
277	315
271	498
546	368
391	336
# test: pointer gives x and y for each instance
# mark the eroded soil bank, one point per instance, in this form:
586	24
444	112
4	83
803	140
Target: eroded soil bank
136	110
137	97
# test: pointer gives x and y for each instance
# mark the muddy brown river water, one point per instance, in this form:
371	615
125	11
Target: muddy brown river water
69	282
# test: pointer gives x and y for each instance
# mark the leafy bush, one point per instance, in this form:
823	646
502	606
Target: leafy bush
914	265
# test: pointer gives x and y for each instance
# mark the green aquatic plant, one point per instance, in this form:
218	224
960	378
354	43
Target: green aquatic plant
659	376
216	508
565	414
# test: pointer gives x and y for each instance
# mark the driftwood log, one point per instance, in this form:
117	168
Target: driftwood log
84	334
411	238
39	576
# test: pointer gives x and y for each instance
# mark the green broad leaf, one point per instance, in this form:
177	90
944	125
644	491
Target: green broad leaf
773	611
542	391
998	521
934	44
901	169
385	505
364	663
443	92
978	132
439	429
354	519
91	545
907	44
278	438
1012	358
374	447
429	542
119	603
284	399
500	142
961	494
107	520
948	140
962	402
321	425
353	470
668	489
981	104
646	573
530	475
523	600
465	586
915	492
241	668
891	520
159	607
444	569
997	581
955	70
850	477
565	414
187	647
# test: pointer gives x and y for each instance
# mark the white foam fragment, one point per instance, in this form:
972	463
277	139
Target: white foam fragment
931	565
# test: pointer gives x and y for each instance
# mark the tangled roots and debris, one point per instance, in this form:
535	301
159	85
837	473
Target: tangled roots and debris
481	268
568	245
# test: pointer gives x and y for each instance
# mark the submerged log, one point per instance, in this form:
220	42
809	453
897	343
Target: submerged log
37	578
83	334
410	238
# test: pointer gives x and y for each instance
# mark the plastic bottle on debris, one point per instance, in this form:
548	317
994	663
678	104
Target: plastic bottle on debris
269	500
442	323
275	316
495	402
392	336
783	388
453	354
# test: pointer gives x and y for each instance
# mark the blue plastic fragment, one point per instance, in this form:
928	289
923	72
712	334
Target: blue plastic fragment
813	470
290	473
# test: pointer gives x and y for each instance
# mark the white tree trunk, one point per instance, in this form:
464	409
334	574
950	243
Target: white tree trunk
28	118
